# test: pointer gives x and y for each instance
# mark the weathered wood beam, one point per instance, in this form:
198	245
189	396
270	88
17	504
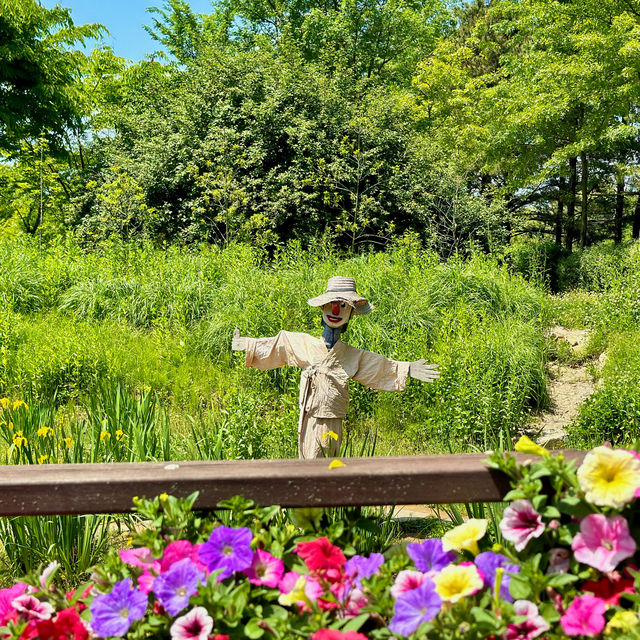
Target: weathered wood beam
110	488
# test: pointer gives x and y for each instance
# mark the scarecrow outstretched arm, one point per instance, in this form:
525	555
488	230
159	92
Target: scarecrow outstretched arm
378	372
286	348
422	371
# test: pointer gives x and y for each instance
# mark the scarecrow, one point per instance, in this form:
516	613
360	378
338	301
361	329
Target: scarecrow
327	365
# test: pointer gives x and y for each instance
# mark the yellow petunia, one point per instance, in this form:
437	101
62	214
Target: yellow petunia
526	445
104	435
609	477
19	439
43	432
297	594
621	621
465	536
457	581
4	403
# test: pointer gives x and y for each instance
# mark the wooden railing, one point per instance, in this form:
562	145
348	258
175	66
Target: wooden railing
110	488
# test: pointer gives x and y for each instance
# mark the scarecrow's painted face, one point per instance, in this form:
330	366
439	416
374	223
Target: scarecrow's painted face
336	314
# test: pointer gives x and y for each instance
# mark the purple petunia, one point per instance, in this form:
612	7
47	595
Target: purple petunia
112	613
414	607
429	555
488	562
227	550
174	588
360	567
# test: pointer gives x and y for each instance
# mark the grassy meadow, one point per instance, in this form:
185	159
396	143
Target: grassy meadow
124	355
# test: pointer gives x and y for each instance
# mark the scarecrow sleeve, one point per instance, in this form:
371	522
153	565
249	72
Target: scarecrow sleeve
285	348
377	372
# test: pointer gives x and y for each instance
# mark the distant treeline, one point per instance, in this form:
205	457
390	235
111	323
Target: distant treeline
464	122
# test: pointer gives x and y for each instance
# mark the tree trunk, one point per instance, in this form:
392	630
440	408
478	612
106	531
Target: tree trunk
585	193
571	202
559	212
635	233
617	222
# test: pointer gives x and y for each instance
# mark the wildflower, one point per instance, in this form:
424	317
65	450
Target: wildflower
414	607
43	432
10	425
113	613
603	542
104	435
359	567
559	559
321	555
227	550
67	624
7	596
465	536
531	627
265	569
42	458
488	563
19	403
174	588
119	435
19	439
29	607
68	442
4	403
458	581
195	625
336	464
609	588
407	580
330	434
526	445
609	477
520	523
584	616
334	634
429	555
621	621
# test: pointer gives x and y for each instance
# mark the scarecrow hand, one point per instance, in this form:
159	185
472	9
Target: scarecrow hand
424	372
238	343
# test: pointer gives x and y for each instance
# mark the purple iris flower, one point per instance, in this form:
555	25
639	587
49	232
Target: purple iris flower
429	555
488	562
227	550
414	607
360	567
113	613
174	587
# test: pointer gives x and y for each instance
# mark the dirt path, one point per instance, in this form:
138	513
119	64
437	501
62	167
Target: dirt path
569	387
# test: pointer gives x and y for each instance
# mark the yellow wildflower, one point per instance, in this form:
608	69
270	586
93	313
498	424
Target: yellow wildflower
4	403
330	434
104	435
68	442
119	435
465	536
43	432
526	445
457	581
19	403
621	621
297	594
609	477
42	459
335	464
163	497
10	425
19	439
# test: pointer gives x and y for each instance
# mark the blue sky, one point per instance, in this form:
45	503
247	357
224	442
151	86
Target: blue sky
124	20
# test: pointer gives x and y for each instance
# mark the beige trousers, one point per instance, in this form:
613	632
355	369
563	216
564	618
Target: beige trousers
315	439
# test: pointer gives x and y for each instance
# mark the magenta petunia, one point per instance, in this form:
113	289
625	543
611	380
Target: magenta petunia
531	627
179	550
603	542
30	608
584	617
7	596
520	523
407	580
265	569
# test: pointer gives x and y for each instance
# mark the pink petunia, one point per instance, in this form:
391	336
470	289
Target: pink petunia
603	542
531	627
30	608
312	588
142	558
179	550
584	617
407	580
265	569
559	559
195	625
7	596
520	523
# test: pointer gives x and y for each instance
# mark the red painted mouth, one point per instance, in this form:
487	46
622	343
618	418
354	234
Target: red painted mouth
334	318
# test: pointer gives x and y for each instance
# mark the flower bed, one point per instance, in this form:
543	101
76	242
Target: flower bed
562	563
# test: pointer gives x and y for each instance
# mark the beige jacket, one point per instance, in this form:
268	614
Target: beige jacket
324	391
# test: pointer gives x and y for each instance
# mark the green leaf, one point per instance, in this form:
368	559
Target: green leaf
557	580
355	623
252	630
519	587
